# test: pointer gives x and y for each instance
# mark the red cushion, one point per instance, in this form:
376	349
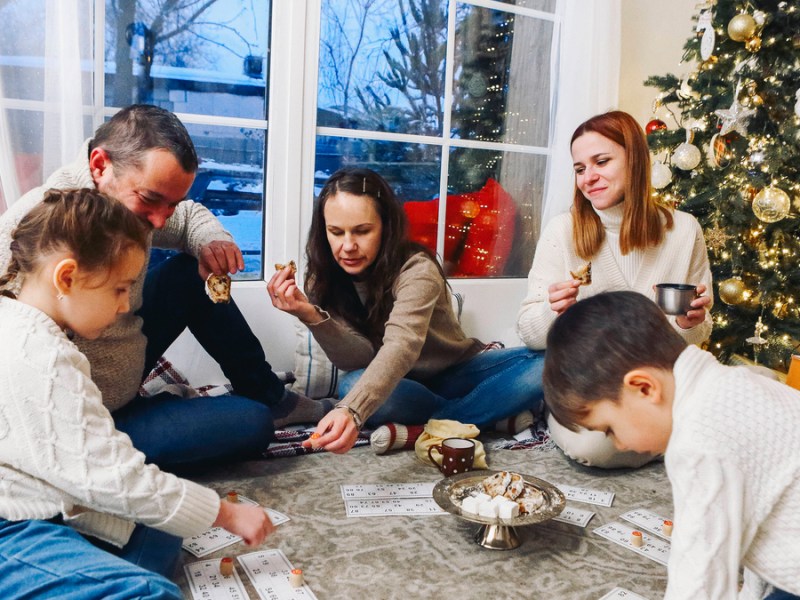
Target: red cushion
479	229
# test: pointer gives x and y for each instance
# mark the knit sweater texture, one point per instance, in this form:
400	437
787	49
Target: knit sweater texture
60	453
734	466
422	338
680	258
117	356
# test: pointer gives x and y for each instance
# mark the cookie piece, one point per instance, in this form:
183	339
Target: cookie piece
290	264
583	274
218	288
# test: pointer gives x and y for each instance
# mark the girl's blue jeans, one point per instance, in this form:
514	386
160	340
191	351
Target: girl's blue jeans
491	386
44	559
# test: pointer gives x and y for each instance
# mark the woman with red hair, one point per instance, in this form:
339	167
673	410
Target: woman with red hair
617	236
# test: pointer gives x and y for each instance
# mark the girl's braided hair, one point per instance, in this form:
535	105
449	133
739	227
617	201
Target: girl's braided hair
94	228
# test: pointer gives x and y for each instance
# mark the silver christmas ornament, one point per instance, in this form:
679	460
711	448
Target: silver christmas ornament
686	156
660	175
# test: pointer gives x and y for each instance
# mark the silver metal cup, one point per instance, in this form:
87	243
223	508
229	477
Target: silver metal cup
675	298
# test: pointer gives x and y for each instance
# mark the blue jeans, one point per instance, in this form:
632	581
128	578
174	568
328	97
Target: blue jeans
488	387
781	595
42	559
172	431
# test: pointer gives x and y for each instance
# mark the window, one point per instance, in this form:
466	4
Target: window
449	100
446	100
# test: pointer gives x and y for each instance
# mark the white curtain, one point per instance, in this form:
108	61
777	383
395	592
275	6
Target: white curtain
42	122
588	84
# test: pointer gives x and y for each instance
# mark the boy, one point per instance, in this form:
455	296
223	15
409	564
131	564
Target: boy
614	364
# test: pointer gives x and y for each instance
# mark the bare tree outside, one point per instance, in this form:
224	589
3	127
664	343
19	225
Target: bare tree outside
180	33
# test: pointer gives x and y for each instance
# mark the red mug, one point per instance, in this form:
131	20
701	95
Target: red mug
458	455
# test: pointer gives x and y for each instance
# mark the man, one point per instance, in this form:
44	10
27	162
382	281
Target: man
143	156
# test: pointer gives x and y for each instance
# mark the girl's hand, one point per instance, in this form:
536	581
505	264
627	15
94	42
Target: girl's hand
249	522
563	294
286	296
337	432
697	314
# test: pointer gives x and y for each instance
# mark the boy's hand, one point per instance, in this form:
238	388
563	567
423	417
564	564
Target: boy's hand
248	521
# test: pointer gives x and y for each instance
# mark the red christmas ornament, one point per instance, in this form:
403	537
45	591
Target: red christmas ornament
654	125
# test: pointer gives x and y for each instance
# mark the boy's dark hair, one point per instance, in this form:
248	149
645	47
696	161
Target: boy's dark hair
595	342
139	128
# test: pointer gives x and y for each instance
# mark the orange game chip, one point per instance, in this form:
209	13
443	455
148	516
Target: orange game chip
315	436
233	497
667	527
296	578
226	566
637	539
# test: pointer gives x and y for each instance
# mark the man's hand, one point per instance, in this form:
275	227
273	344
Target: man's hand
220	257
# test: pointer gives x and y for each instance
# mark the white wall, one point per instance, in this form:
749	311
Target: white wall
653	35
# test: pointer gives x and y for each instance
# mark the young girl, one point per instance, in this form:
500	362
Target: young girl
66	471
380	307
631	242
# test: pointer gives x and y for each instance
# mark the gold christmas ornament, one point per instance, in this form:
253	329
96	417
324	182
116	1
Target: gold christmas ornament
717	238
741	27
753	44
771	204
731	291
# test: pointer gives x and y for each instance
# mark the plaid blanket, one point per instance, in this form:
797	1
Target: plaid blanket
288	442
538	439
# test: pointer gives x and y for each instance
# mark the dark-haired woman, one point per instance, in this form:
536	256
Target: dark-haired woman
380	307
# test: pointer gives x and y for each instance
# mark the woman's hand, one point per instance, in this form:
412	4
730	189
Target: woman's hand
697	314
248	521
337	432
286	296
563	294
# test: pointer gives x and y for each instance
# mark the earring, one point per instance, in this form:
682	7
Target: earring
60	296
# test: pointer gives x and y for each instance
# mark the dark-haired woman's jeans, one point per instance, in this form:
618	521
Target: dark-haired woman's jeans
491	386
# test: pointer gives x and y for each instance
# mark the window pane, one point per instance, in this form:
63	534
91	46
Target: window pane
493	212
187	57
22	49
411	169
542	5
381	65
230	182
502	77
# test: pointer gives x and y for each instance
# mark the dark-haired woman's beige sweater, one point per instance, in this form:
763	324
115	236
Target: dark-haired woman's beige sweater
422	338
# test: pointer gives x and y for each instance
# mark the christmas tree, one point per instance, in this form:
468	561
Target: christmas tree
732	159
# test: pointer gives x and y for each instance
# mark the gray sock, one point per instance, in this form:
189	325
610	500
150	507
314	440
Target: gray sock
296	408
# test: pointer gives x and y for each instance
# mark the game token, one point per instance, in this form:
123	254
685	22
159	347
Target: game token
296	578
233	497
226	566
667	528
636	539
